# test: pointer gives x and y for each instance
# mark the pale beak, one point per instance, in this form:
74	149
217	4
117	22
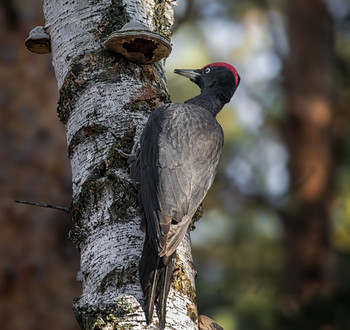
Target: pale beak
191	74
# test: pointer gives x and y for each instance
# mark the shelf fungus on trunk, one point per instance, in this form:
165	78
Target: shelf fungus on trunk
138	43
38	41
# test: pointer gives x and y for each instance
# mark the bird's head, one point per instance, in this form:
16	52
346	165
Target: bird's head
219	78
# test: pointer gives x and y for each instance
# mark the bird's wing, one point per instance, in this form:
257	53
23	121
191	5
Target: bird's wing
180	150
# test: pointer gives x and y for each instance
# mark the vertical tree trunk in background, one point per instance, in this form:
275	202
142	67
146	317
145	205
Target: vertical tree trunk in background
102	93
308	72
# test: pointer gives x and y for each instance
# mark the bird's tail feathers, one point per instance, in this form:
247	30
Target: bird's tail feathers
155	279
164	287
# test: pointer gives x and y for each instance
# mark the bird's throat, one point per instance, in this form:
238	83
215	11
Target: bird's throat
208	101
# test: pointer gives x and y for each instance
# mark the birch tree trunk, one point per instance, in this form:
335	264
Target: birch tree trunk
104	104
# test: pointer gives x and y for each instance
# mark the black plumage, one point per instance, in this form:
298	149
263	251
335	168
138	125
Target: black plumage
180	149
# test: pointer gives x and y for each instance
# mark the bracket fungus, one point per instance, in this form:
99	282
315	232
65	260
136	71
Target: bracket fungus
138	43
38	41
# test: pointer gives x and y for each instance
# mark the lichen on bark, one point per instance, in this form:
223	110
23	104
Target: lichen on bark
181	282
162	21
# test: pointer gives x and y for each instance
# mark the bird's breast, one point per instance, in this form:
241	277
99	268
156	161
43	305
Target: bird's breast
191	135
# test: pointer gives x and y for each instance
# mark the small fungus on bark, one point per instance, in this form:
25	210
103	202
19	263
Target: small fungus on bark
38	41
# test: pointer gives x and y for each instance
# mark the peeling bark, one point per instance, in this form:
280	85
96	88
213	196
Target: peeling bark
104	103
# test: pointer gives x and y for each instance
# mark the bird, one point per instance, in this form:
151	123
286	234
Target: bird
179	152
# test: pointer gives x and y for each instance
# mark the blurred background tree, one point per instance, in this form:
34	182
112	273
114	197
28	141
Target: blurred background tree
273	248
38	264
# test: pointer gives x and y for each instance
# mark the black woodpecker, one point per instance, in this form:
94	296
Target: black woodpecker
180	149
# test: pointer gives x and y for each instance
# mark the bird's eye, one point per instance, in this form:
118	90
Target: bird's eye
207	70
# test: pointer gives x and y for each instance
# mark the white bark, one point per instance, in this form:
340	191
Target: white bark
101	93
